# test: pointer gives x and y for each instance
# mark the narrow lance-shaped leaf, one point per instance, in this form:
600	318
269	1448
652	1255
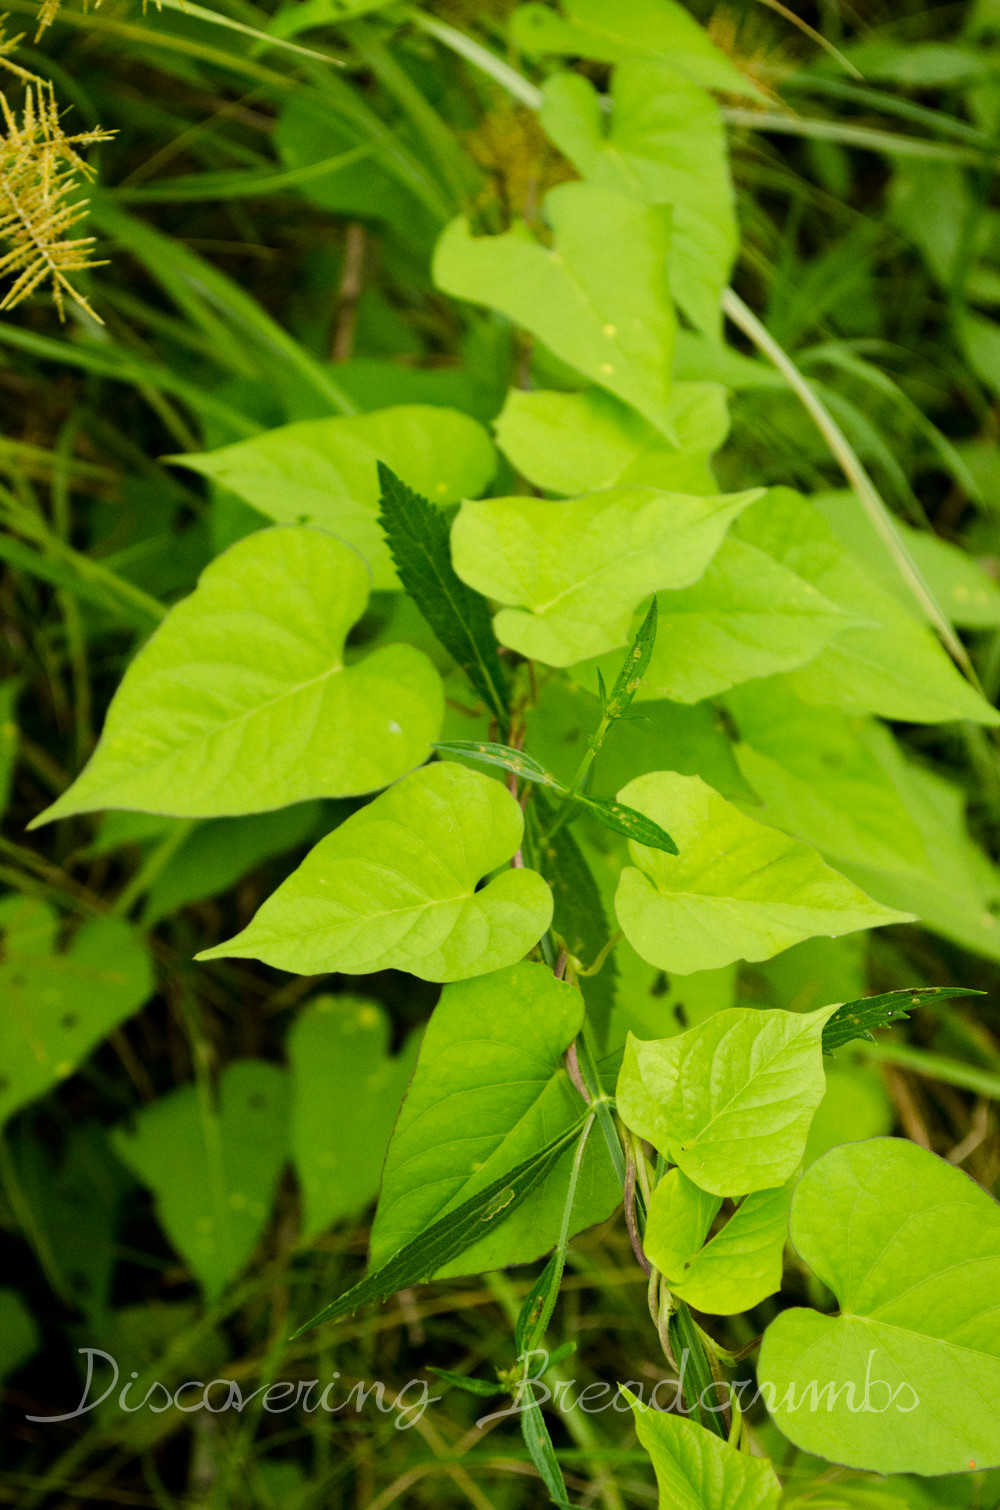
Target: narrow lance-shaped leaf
418	539
504	756
635	665
634	825
856	1019
417	1261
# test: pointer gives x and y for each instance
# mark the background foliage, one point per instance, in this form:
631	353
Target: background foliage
269	188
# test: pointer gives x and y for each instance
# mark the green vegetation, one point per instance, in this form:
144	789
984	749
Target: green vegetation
501	643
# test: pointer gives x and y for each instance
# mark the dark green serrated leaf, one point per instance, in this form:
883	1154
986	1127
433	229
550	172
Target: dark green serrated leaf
418	538
504	756
635	667
856	1019
462	1381
418	1260
625	820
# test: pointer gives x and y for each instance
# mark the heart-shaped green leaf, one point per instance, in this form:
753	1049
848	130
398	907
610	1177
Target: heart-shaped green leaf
338	1054
660	29
599	298
747	617
890	663
575	572
739	1267
906	1378
242	700
574	443
59	1004
696	1470
213	1173
394	887
490	1087
726	896
323	471
731	1100
663	142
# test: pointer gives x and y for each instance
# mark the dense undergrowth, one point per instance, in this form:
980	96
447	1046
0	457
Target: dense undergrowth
191	1150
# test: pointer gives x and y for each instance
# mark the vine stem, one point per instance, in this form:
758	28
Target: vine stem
853	469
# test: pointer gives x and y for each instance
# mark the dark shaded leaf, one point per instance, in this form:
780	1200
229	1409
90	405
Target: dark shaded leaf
418	538
578	916
855	1019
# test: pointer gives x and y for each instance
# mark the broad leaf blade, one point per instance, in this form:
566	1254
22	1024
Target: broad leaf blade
322	471
59	1004
731	1100
572	574
696	1470
420	1259
737	890
396	886
906	1379
338	1056
418	538
242	700
213	1176
489	1088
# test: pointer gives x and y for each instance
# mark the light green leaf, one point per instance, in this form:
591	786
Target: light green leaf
346	1093
574	572
737	890
741	1265
897	830
696	1470
958	892
59	1004
677	1222
241	701
968	595
574	443
656	736
217	853
323	471
213	1176
731	1100
906	1378
827	777
598	297
855	1105
490	1087
394	887
746	618
665	144
891	665
660	30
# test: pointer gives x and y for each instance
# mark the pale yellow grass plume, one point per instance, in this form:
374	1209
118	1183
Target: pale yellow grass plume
41	172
